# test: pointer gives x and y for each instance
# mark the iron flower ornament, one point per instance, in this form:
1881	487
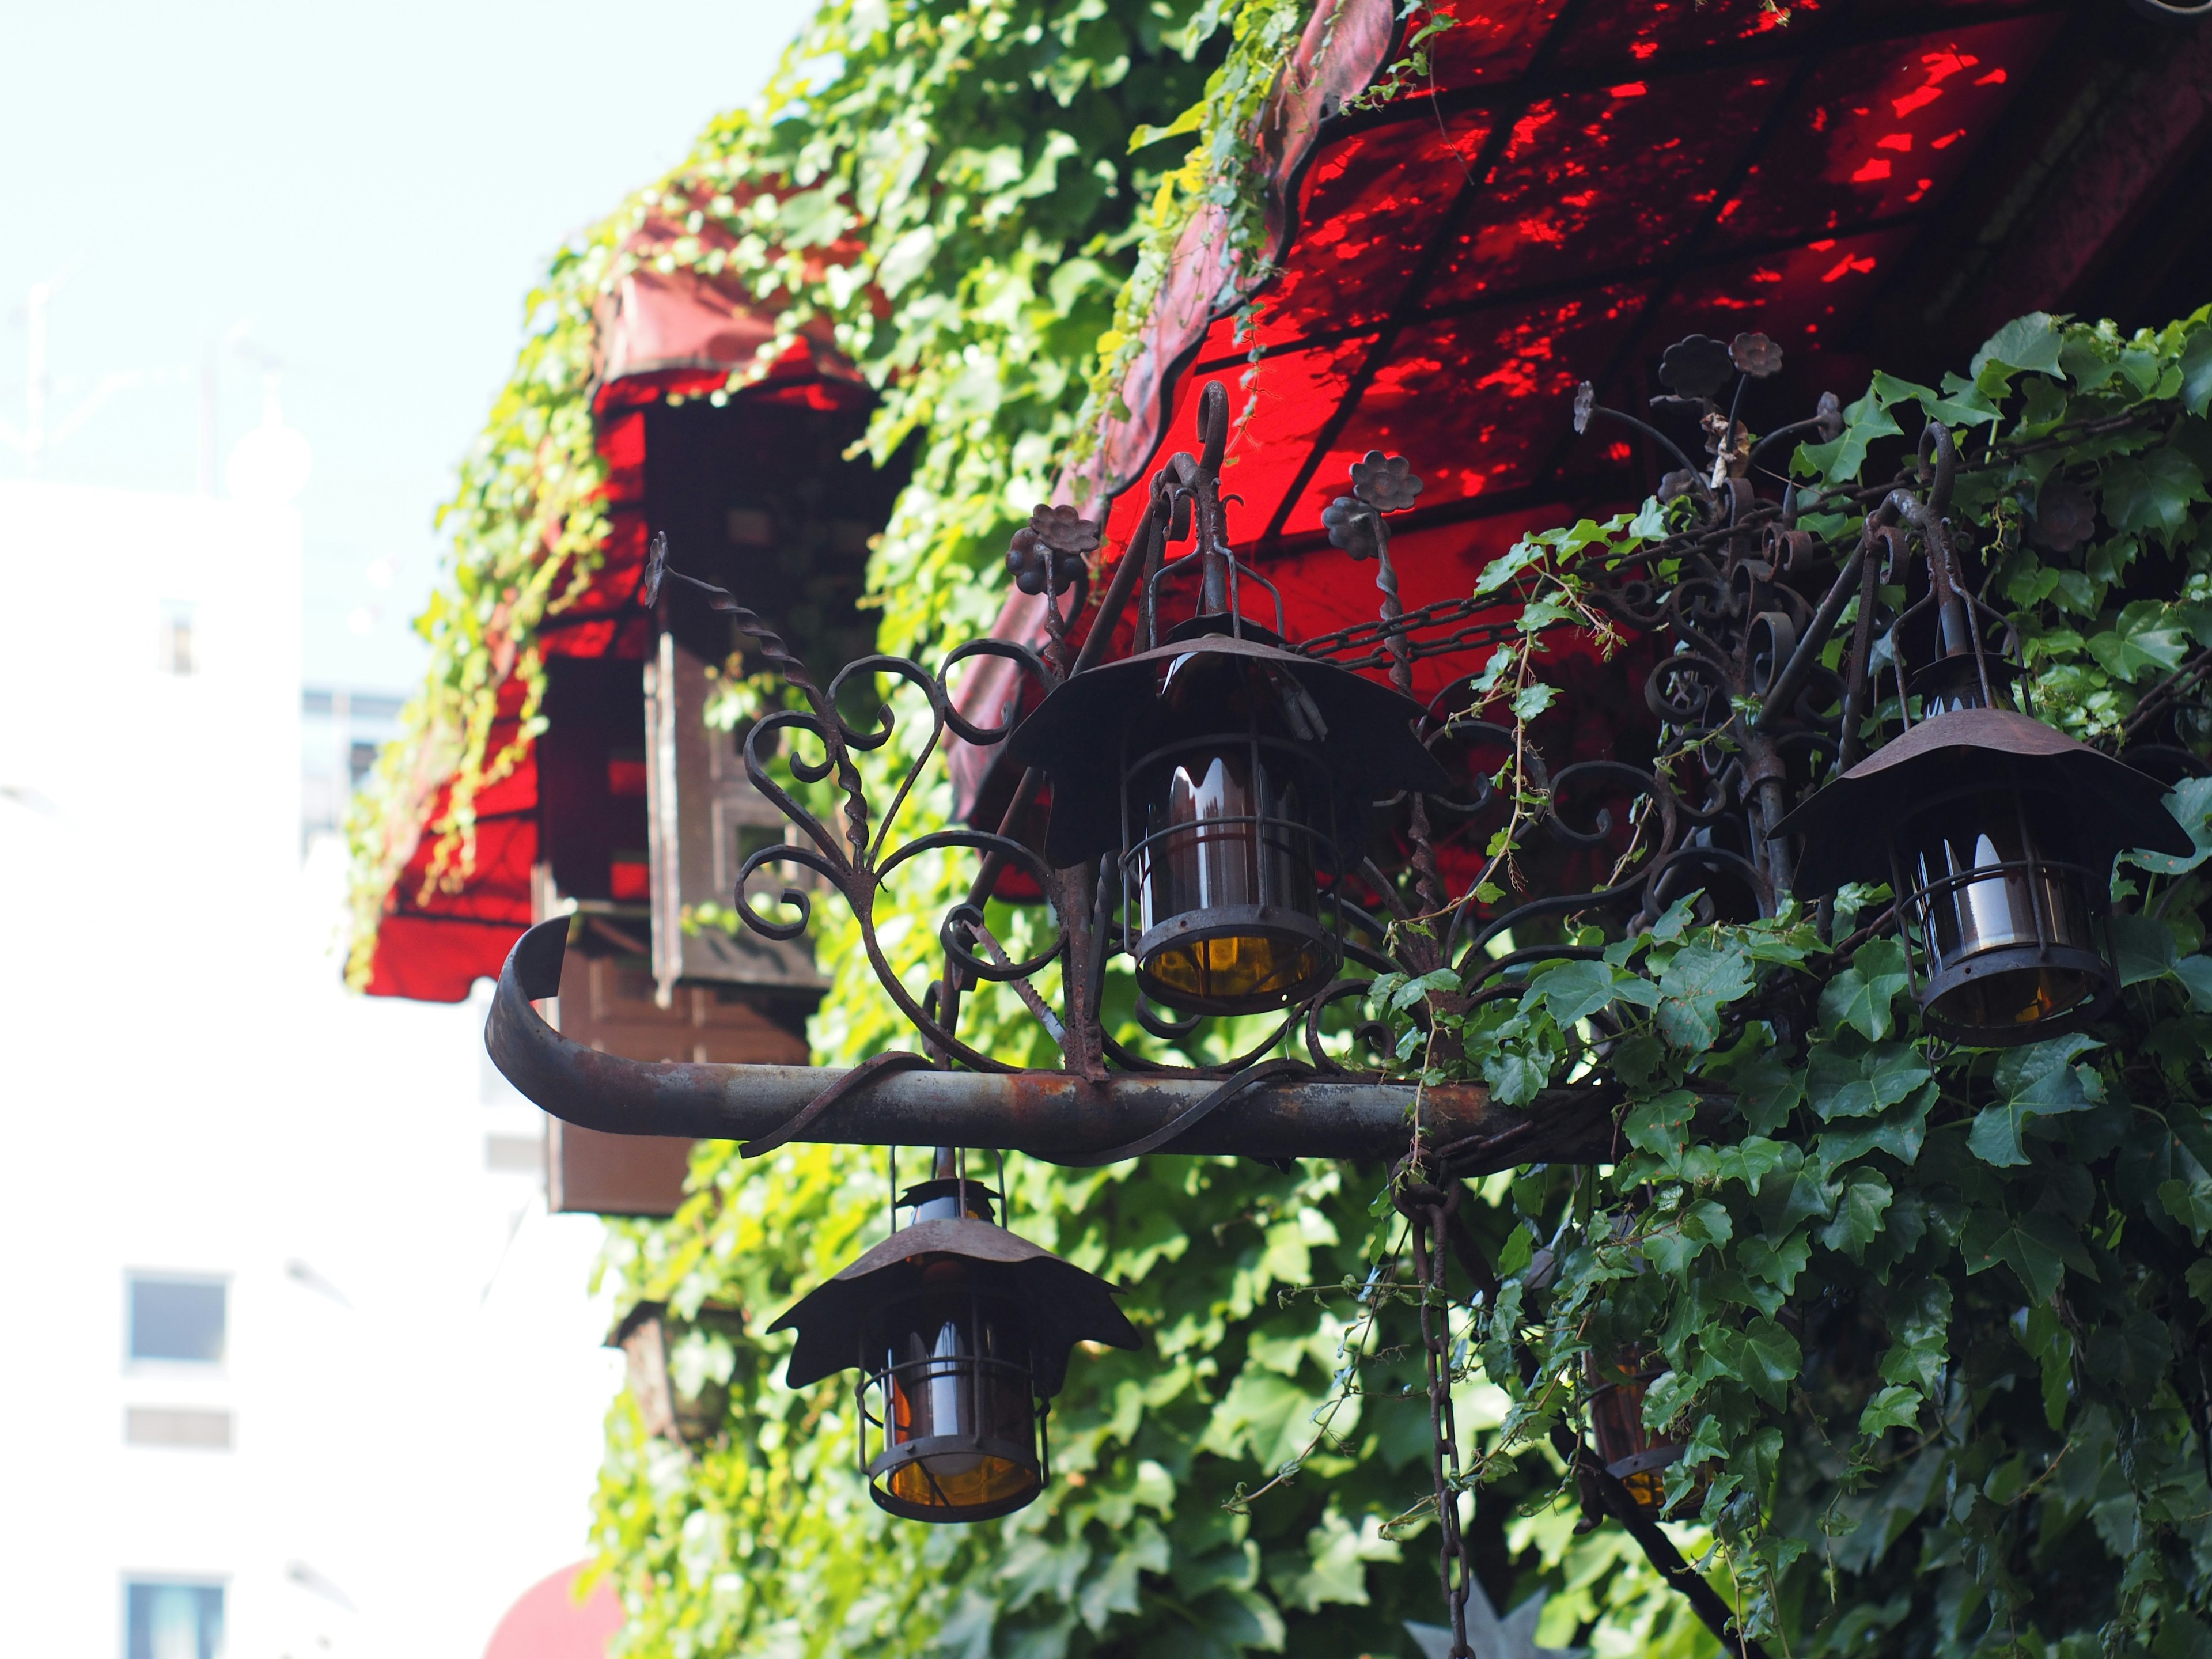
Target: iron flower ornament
1050	551
1755	356
1380	483
1386	483
1698	367
2064	517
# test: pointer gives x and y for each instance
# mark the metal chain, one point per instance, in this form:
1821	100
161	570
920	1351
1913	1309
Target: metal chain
1428	1209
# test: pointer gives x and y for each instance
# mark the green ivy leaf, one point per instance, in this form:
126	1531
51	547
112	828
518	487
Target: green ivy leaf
1865	1196
2152	491
1518	1250
2038	1247
2190	803
2142	948
2196	372
1662	1127
1861	995
2147	636
1893	1407
2199	1280
1840	1084
1673	1245
1664	1399
2188	1202
1775	1358
2047	1340
1777	1264
2032	342
2195	974
1900	1131
1517	1075
1573	991
1772	1090
1750	1160
2040	1080
1839	460
1919	1321
1531	700
1695	982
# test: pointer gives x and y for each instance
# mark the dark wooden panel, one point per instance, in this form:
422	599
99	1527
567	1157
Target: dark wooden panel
607	1001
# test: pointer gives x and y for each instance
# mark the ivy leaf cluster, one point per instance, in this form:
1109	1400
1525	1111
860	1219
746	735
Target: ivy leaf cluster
1929	1324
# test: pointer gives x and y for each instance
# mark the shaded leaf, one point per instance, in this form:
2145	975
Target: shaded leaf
1866	1194
2032	342
1861	995
1841	1084
1894	1407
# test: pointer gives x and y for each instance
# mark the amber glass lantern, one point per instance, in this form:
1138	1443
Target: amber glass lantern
961	1332
1997	835
1224	826
1232	779
1632	1454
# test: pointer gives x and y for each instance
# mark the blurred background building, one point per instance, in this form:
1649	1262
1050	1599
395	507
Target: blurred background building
301	1364
303	1367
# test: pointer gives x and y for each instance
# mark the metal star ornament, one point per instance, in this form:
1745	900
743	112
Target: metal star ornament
1490	1637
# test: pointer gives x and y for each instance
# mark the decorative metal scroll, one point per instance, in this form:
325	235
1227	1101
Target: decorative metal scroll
1733	609
1729	617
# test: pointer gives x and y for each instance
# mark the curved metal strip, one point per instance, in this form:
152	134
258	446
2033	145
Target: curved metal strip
1055	1116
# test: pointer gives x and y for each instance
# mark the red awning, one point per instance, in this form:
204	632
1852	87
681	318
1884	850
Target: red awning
660	335
1580	186
550	1622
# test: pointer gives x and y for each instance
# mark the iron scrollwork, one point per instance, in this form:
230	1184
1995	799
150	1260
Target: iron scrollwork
1731	612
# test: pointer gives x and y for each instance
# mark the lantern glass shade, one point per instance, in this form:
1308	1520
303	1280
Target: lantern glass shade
1229	908
1224	826
954	1419
2010	935
1632	1454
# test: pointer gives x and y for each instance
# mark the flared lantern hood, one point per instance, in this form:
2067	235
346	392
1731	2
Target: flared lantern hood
1075	737
2106	807
1065	1305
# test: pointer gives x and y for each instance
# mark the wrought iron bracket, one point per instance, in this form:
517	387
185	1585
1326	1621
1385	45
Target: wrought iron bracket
1054	1115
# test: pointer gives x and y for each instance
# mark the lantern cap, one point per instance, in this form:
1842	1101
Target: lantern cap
1074	736
2109	807
724	1314
1064	1304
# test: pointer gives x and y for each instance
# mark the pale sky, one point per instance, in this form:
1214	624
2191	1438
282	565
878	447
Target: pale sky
371	190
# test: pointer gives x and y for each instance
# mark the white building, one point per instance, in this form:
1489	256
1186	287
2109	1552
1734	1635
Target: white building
296	1365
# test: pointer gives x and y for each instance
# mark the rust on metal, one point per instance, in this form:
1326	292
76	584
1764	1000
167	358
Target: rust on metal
1049	1115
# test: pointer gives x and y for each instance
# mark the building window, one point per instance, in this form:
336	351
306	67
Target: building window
177	1425
181	1320
172	1621
176	654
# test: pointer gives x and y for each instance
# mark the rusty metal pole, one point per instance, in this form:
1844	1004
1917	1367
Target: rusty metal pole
1053	1116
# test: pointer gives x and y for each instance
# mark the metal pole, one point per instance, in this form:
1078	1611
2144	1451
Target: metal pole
1052	1115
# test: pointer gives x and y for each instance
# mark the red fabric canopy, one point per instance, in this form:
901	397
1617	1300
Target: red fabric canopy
660	335
1581	185
550	1622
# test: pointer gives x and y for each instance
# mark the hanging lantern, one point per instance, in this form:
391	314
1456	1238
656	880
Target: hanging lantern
961	1332
1230	776
675	1400
1998	834
1632	1454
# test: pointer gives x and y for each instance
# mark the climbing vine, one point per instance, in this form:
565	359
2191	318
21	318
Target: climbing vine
946	193
1931	1323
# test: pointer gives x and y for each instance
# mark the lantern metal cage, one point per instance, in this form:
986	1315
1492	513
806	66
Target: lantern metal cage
961	1331
1226	827
951	1426
2004	934
1631	1452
